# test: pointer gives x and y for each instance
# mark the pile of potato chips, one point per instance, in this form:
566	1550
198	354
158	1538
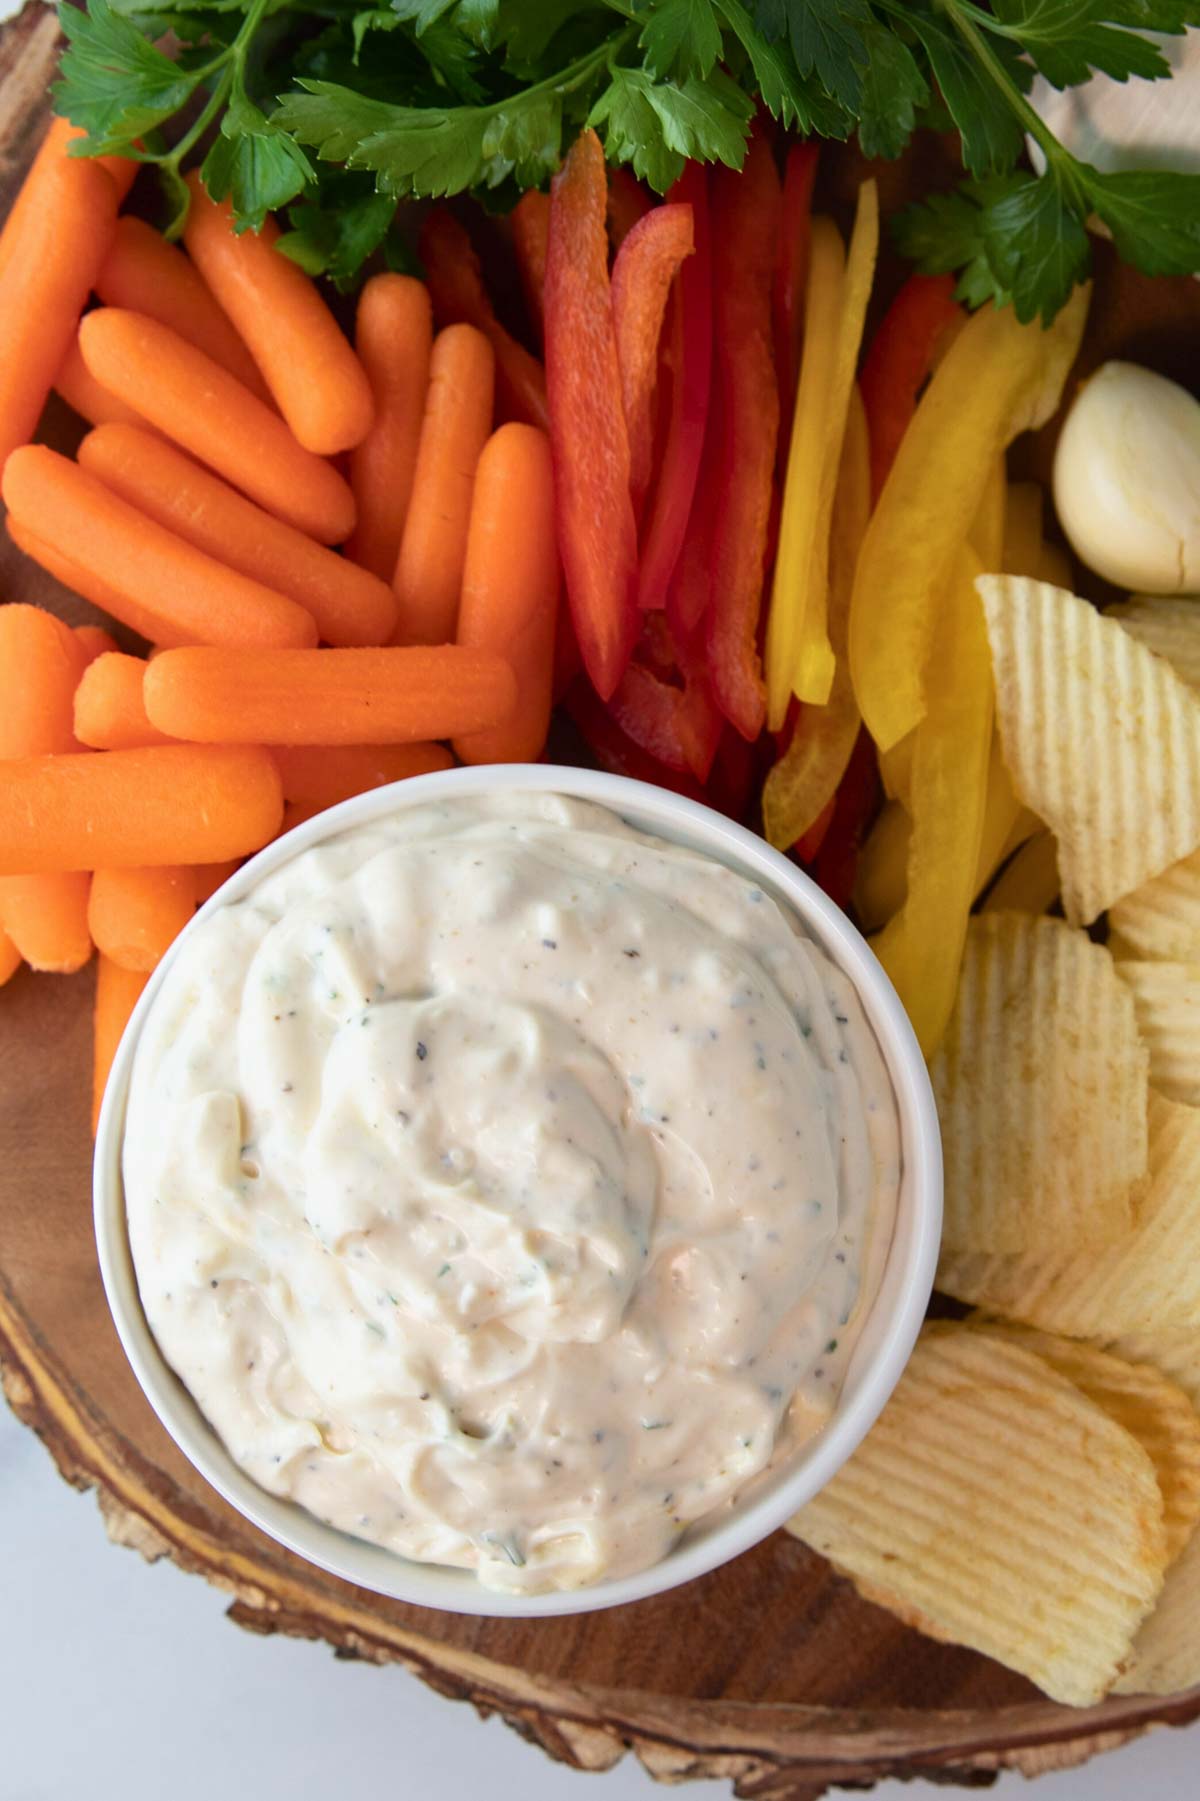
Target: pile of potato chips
1032	1490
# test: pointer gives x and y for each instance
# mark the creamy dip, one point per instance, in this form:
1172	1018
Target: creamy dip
507	1185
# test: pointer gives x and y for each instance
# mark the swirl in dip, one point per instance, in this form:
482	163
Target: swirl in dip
507	1186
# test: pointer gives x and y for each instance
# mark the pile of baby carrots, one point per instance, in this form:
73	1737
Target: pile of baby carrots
237	439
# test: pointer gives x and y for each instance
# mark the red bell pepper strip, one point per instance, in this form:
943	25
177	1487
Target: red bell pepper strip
597	532
530	224
665	705
806	848
745	219
459	297
791	268
645	266
737	777
627	202
898	362
855	805
614	750
688	354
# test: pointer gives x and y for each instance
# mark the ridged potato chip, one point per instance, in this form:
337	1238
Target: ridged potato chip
1101	736
1148	1281
1166	1652
1170	627
1040	1085
1155	1410
1162	917
1174	1351
994	1505
1166	999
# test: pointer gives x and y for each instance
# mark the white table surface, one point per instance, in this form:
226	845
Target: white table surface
124	1682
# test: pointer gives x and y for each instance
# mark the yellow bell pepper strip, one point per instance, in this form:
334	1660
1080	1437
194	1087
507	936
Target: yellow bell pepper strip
1030	883
1004	818
1023	516
800	658
1054	566
809	435
986	536
883	868
998	379
806	777
895	768
921	948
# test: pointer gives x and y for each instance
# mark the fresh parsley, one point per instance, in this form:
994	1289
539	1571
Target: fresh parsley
333	110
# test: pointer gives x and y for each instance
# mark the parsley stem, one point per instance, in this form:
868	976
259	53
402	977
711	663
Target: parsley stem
1059	162
216	100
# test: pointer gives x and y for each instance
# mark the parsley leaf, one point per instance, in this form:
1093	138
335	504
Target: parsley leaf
113	82
945	233
1036	244
335	234
681	37
893	88
1067	39
826	37
993	135
1154	217
787	96
428	151
256	164
632	130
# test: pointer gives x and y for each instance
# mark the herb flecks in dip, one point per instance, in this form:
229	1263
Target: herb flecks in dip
505	1185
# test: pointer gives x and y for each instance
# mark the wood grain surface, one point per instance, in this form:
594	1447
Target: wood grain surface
771	1672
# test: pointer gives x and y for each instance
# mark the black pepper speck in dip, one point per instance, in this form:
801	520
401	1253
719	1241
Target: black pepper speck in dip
507	1186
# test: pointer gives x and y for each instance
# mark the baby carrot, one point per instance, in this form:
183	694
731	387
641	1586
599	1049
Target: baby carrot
458	418
199	405
322	775
393	334
208	877
41	661
510	587
312	371
81	581
76	384
146	576
530	222
46	917
117	994
110	713
460	298
135	915
121	170
10	958
96	642
175	803
329	696
350	605
56	253
145	274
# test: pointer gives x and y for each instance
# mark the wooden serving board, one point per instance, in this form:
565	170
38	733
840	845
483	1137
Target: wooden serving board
770	1672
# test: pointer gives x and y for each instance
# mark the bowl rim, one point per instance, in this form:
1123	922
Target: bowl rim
707	1544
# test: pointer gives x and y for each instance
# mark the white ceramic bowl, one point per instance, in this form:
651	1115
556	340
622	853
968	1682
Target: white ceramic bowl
888	1333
